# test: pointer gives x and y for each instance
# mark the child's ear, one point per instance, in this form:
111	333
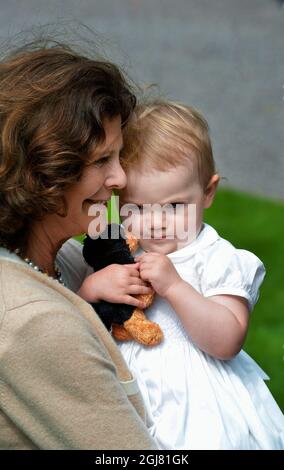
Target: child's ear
211	190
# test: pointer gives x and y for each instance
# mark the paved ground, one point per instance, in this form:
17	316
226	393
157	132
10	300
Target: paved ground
225	57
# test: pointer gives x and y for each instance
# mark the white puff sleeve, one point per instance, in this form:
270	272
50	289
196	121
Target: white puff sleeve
231	271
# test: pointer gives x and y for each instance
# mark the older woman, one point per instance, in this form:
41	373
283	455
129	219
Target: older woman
63	382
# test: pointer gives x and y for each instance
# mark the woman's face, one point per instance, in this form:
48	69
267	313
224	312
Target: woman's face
99	178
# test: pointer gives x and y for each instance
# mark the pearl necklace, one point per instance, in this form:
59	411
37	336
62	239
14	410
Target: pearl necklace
58	276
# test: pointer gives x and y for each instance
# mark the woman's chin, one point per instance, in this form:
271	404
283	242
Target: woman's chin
95	218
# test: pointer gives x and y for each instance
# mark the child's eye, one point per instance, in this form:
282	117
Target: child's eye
102	161
178	204
172	205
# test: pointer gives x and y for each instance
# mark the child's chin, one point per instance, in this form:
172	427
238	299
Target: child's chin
162	245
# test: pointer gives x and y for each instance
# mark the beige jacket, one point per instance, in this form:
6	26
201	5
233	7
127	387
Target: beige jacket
63	381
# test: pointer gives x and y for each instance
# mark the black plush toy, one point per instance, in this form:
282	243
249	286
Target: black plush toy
125	321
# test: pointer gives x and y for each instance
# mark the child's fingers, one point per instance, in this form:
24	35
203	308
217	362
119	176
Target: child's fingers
128	299
133	265
145	274
139	289
134	280
146	255
133	269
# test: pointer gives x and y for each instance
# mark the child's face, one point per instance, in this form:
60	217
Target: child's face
169	229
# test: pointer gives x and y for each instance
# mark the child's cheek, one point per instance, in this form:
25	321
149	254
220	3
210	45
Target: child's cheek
185	223
133	224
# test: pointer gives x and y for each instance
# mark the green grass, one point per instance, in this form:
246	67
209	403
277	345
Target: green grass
257	224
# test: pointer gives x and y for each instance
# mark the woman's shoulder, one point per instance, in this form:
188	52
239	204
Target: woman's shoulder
26	294
20	285
29	297
33	302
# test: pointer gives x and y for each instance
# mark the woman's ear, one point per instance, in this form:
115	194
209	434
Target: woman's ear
211	190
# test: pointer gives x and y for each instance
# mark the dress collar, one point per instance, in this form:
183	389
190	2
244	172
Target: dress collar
207	236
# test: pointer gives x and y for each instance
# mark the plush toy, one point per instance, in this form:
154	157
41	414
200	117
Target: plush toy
125	321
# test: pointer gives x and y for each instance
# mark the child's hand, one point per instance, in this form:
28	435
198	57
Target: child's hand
158	269
117	283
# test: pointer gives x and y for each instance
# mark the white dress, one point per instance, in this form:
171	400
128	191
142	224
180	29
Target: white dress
194	401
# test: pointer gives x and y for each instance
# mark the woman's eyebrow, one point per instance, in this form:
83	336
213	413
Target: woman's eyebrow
106	151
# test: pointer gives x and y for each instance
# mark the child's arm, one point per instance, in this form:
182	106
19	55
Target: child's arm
116	284
217	325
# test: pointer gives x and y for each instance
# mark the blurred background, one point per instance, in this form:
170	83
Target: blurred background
226	58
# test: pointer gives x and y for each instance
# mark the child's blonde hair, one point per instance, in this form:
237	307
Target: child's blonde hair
163	134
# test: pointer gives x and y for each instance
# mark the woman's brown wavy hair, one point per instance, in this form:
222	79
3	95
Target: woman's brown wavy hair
52	104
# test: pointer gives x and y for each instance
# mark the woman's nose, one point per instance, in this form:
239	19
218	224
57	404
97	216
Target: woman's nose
117	178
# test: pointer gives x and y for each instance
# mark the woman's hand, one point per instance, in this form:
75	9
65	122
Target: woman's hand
158	269
117	283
